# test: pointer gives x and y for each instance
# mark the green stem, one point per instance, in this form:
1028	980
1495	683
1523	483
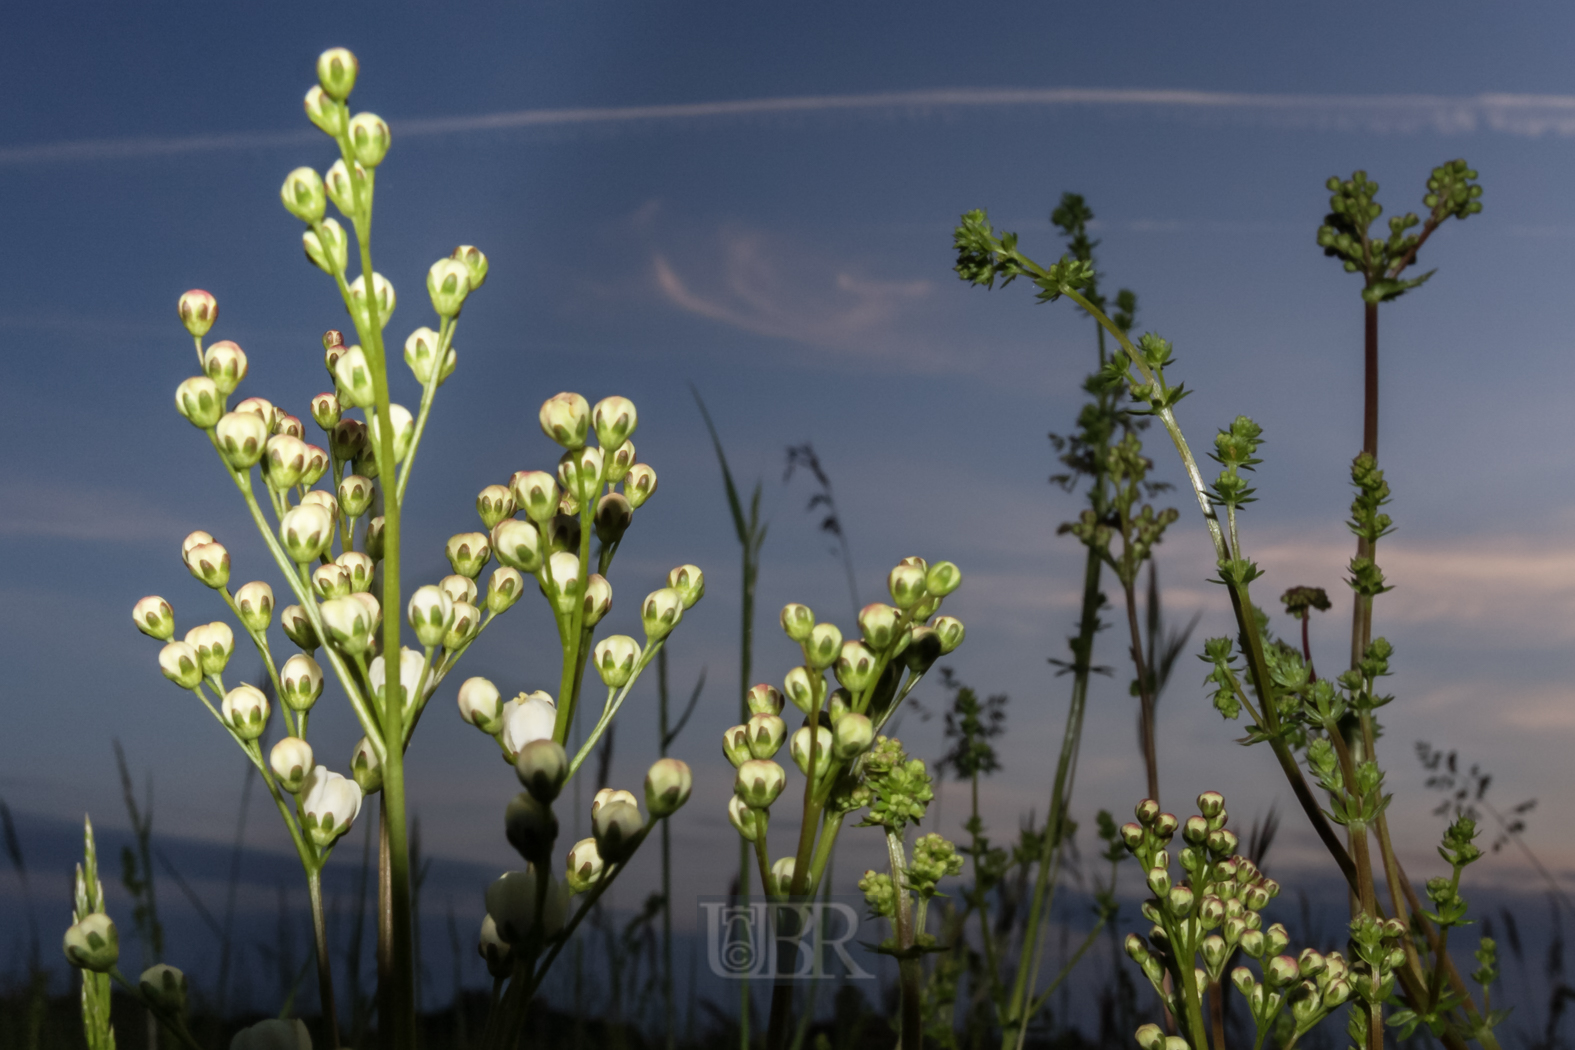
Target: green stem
325	978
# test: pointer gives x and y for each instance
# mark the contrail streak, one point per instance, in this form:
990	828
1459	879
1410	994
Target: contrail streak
1522	115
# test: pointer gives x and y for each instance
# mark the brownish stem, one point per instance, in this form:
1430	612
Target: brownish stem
1217	1014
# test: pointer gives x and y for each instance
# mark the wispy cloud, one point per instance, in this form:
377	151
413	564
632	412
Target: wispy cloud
1523	115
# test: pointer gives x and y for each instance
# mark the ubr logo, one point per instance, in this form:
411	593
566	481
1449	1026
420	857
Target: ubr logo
764	940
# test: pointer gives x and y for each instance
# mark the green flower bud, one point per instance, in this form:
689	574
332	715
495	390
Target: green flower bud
906	583
566	419
355	495
598	598
735	745
198	399
154	617
214	643
837	705
197	310
300	682
305	532
878	622
764	735
348	439
585	866
822	646
922	651
560	533
349	625
613	515
467	622
245	710
1195	830
1252	942
404	425
615	658
1180	900
799	685
209	562
667	786
358	569
1280	971
481	705
298	627
283	462
614	419
325	411
475	263
1150	1037
225	364
1159	881
93	944
949	630
530	827
1336	994
798	621
879	893
661	612
853	736
942	579
747	822
580	472
616	464
782	877
242	438
336	72
254	605
562	582
504	588
856	667
164	987
689	582
1211	804
303	195
493	504
468	553
327	247
518	545
354	376
799	748
499	956
764	699
431	614
421	355
639	484
291	761
616	827
448	283
759	782
1275	938
1165	826
180	664
1243	979
383	299
543	767
536	493
369	138
459	589
512	901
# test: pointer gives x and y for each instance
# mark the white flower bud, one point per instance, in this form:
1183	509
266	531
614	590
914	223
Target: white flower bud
493	504
355	495
689	582
181	664
154	618
298	627
467	623
616	826
360	568
667	786
759	782
459	588
498	956
365	768
262	408
566	419
284	423
300	682
341	186
214	643
306	531
511	904
195	538
536	493
661	612
245	710
336	72
431	615
421	355
284	461
273	1034
518	544
302	194
563	581
225	364
504	588
327	246
329	805
383	296
404	430
782	876
530	827
598	598
542	767
373	543
254	603
291	761
856	667
468	553
330	581
764	734
799	747
325	411
199	400
316	464
242	437
411	664
475	261
616	464
615	419
745	820
580	472
354	375
906	583
639	484
949	630
527	718
615	658
197	310
323	499
348	623
585	866
878	622
210	563
822	646
93	944
854	734
369	138
165	987
481	705
764	699
797	621
448	283
799	686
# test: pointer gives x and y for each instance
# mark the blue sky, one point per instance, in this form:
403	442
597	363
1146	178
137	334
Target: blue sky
791	257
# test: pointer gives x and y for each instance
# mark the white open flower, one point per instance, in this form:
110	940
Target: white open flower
527	718
330	803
